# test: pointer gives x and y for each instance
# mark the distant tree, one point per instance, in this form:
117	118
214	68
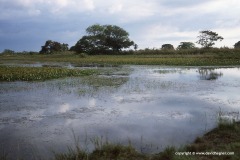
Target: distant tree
52	46
237	45
64	47
186	45
224	47
167	46
135	46
103	39
207	38
8	51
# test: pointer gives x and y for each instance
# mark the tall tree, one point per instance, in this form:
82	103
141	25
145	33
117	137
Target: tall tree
208	38
102	39
186	45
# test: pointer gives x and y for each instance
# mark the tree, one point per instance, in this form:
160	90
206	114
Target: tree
8	51
186	45
207	38
167	46
103	39
135	46
52	46
89	44
237	45
116	38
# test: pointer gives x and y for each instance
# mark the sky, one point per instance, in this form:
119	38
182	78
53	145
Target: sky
25	25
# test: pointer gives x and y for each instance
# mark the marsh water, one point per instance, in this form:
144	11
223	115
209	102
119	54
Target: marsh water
151	107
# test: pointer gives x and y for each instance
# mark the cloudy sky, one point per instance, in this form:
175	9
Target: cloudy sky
25	25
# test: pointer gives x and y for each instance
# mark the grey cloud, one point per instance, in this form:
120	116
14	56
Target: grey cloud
26	26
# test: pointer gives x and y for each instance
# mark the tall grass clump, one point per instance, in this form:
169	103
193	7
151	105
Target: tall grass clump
227	123
168	154
72	155
39	73
103	150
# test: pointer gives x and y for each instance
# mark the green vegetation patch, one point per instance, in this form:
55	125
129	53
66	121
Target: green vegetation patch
102	81
39	73
159	58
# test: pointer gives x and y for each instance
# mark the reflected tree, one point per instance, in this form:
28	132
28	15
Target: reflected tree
209	74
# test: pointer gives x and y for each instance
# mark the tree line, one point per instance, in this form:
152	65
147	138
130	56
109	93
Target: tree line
112	39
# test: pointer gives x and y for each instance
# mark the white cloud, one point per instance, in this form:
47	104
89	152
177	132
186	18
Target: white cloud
65	7
138	12
222	7
127	11
115	8
62	3
89	4
33	8
159	30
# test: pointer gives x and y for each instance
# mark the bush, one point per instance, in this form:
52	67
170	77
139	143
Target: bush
8	52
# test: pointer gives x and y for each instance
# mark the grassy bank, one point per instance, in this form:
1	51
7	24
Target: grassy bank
39	73
206	59
224	138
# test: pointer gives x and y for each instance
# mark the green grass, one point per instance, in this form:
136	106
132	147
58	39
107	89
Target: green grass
206	59
39	73
224	138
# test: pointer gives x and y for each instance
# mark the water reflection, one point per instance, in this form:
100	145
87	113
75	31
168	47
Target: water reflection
209	74
168	71
151	109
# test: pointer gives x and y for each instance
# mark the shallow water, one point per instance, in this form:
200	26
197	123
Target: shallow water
150	107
